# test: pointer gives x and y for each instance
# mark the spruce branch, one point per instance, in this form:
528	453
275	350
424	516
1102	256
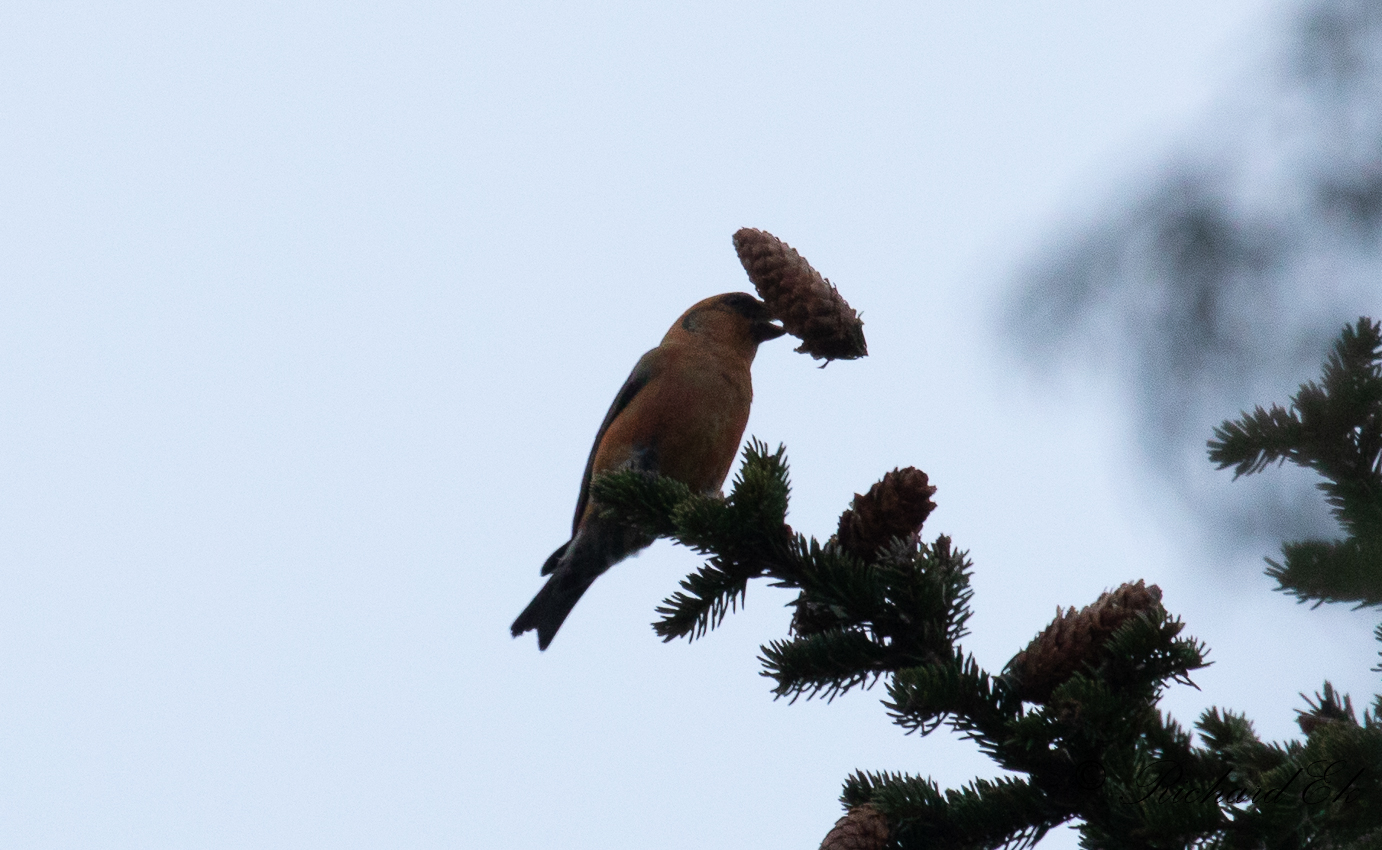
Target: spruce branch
1328	706
1331	571
978	706
640	499
1333	427
1147	651
706	596
828	663
1256	440
1326	791
744	535
844	589
914	595
983	814
1074	714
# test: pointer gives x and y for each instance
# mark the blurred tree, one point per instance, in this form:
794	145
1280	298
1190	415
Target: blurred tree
1224	277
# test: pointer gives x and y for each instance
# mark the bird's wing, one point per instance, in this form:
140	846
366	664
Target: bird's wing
643	372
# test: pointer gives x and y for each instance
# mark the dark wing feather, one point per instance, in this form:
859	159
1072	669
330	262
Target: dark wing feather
642	373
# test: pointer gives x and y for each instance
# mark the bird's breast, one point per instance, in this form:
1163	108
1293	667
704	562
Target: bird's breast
690	420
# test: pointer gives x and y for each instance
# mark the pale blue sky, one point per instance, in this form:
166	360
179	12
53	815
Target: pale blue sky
309	312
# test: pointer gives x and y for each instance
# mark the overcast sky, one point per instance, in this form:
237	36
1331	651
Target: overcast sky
1219	277
309	313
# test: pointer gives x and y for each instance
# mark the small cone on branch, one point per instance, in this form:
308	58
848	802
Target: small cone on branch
1074	639
808	305
862	828
894	507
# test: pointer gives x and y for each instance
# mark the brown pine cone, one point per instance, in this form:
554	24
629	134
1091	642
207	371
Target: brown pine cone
862	828
894	507
808	305
1074	639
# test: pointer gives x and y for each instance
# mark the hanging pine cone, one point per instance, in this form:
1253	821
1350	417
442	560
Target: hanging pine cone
862	828
1074	639
894	507
808	305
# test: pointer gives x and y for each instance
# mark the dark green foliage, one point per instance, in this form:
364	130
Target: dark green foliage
1148	651
825	664
1327	791
1001	813
899	617
1331	571
1335	428
921	697
642	500
1324	792
1095	749
744	535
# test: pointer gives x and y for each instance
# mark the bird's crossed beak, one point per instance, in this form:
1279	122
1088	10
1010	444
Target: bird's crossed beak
765	330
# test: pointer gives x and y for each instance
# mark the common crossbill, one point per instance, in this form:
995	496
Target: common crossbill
681	414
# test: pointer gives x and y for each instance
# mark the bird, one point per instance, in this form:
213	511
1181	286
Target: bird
680	414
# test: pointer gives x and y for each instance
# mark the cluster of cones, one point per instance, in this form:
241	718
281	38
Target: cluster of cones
808	305
811	309
895	508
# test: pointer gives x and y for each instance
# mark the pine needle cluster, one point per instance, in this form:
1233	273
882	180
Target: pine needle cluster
1072	720
1335	428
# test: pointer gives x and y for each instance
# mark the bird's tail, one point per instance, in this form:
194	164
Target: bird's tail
572	569
553	603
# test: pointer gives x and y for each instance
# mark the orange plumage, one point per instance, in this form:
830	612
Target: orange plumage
681	414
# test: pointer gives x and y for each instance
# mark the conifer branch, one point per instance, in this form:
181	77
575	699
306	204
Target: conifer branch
919	698
1324	571
1074	714
983	814
1334	426
640	499
745	535
826	664
1256	440
707	595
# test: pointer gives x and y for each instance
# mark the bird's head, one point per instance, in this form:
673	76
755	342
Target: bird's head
734	319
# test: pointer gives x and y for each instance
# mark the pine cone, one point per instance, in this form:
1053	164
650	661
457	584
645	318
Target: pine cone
862	828
808	305
894	507
1072	640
